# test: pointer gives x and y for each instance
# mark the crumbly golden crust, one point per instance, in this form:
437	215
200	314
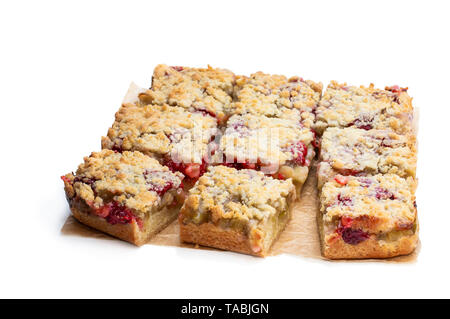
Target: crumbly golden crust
210	235
368	217
370	248
205	89
242	203
274	95
130	179
130	232
161	130
352	151
344	106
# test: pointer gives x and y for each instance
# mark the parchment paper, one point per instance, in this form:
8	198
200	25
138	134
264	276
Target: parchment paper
300	237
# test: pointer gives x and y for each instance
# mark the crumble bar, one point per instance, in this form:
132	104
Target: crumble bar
281	147
176	137
368	217
127	195
272	95
238	210
353	151
365	108
206	90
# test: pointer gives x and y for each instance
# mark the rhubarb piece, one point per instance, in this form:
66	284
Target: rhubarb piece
238	210
206	90
127	195
275	95
362	219
357	152
365	108
172	135
271	145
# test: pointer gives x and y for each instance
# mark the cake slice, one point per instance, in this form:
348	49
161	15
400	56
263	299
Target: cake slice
207	90
272	95
365	107
280	147
368	217
238	210
177	138
353	151
127	195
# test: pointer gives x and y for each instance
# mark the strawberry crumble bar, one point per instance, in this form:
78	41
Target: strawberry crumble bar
365	108
177	138
280	147
272	95
127	195
353	151
368	217
238	210
196	89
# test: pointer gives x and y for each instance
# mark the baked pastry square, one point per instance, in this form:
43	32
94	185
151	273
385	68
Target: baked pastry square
368	217
206	90
365	107
272	95
238	210
353	151
174	136
280	147
127	195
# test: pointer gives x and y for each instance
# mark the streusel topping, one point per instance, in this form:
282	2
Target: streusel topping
271	95
200	89
379	203
369	151
265	139
227	193
129	178
364	107
158	130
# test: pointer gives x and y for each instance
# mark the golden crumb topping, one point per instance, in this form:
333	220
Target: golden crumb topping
207	89
271	95
159	130
379	203
364	107
224	193
267	140
370	151
129	178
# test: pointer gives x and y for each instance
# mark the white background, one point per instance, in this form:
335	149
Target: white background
65	67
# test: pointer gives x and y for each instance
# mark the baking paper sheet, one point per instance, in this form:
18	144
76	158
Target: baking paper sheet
300	237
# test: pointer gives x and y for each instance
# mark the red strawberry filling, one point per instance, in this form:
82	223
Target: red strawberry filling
299	151
382	193
349	235
365	182
354	236
177	68
364	122
191	170
244	165
344	201
346	221
115	213
315	142
65	179
160	189
342	180
396	89
116	148
206	113
279	176
349	172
